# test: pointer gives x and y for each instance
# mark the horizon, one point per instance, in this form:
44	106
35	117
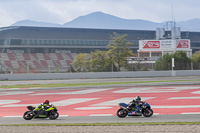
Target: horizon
103	13
63	11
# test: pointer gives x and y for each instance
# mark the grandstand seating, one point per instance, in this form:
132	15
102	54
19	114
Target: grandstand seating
21	62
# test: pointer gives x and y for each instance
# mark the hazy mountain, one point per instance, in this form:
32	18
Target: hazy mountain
190	25
34	23
106	21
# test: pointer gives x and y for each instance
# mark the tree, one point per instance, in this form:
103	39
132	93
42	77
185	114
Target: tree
196	59
81	63
164	62
71	69
119	50
99	61
180	58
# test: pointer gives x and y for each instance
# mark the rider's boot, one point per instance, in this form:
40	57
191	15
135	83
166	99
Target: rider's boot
138	112
46	113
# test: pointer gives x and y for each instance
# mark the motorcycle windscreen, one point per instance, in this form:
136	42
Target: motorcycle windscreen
123	104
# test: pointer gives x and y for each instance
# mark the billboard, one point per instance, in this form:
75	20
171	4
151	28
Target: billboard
151	45
166	44
182	44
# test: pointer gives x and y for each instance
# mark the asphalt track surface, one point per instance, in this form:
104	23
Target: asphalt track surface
104	119
107	119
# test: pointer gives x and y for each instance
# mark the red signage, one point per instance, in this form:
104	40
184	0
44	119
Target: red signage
151	44
182	43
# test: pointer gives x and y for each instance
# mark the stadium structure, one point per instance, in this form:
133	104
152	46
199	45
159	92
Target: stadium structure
48	49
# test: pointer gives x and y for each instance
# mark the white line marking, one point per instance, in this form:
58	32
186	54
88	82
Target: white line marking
63	115
92	108
196	92
157	89
101	115
8	101
191	113
12	116
15	93
177	106
20	105
134	90
75	92
72	101
184	98
57	103
155	113
117	101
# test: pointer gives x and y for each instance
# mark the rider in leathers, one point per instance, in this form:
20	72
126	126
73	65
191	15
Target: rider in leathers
133	105
42	107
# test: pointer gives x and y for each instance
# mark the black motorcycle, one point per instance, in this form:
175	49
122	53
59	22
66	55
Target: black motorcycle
50	112
143	109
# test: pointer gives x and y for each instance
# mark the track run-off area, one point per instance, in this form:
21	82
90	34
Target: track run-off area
166	99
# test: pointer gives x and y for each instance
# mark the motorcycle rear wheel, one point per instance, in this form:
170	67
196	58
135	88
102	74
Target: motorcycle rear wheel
121	113
53	115
148	112
28	115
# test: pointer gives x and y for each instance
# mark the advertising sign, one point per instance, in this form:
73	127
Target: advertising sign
166	44
150	44
182	43
153	45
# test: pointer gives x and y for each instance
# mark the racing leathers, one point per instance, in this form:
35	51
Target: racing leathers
135	106
40	110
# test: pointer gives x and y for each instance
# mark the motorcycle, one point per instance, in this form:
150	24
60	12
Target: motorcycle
144	108
50	112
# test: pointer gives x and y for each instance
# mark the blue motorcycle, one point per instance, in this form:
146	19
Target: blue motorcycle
143	109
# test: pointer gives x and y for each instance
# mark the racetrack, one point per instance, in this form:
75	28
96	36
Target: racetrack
104	119
170	102
110	80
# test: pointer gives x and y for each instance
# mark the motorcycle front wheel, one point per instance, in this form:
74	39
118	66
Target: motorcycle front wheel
28	115
121	113
148	112
53	115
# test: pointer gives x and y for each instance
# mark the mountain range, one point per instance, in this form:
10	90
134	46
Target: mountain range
102	20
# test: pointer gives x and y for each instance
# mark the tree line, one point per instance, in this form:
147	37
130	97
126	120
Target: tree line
181	61
114	59
119	50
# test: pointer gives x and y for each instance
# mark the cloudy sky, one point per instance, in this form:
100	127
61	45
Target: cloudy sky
62	11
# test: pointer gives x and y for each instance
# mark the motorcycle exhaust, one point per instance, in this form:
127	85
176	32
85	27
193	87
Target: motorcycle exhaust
124	108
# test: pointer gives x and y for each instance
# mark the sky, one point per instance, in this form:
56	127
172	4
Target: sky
62	11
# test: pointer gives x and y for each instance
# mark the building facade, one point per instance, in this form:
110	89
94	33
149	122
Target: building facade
74	40
45	49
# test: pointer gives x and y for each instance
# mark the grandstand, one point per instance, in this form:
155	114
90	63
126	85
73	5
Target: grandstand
50	49
36	62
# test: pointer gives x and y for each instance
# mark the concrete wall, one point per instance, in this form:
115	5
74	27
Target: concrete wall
91	75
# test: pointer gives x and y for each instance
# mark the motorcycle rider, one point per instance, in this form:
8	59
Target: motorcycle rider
134	105
42	107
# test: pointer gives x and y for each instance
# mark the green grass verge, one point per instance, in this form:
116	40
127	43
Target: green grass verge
87	84
106	124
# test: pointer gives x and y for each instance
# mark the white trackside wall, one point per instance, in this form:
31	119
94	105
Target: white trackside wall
165	46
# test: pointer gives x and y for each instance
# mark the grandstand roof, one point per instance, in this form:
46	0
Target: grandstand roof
69	33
